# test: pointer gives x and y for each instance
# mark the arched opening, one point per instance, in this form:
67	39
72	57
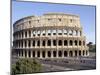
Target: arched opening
79	43
22	34
29	53
71	42
43	54
25	44
38	53
83	52
86	52
33	42
43	43
49	43
54	53
60	42
26	34
75	42
38	43
79	53
65	53
60	53
25	53
22	53
29	43
33	53
49	54
75	53
65	43
54	42
70	53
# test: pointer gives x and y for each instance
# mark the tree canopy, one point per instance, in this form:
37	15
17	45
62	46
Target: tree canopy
26	66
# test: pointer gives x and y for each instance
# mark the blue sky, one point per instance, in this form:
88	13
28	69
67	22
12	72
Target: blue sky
86	13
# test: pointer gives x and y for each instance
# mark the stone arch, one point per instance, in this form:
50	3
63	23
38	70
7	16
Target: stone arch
79	52
43	43
60	42
49	53
75	42
38	53
70	42
54	53
65	43
33	54
65	53
29	53
43	54
25	53
49	43
83	52
60	53
70	53
75	52
79	43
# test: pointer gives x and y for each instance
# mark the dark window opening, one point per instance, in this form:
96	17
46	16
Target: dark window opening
29	43
71	42
33	53
38	53
54	53
43	43
33	42
49	42
43	54
29	53
65	53
60	54
25	34
65	43
75	42
38	43
49	54
54	42
60	42
79	43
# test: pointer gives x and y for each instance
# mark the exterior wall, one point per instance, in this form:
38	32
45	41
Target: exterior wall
52	35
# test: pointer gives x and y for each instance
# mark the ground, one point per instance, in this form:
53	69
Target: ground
67	64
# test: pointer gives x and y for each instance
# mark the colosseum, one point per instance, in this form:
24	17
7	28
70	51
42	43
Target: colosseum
52	35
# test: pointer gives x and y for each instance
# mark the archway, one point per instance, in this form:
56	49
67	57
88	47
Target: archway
65	53
70	53
54	53
60	54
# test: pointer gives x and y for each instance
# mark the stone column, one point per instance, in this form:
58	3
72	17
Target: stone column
57	53
45	54
68	53
77	52
73	53
23	53
62	53
40	54
51	53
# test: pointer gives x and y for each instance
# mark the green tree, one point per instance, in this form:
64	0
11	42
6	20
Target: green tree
25	66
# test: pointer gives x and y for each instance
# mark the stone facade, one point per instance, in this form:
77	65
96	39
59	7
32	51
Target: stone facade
53	35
